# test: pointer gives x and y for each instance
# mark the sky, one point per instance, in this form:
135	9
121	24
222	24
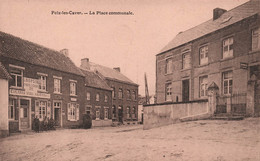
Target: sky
126	41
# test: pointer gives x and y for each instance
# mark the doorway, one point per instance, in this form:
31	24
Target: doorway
24	114
120	114
185	90
57	113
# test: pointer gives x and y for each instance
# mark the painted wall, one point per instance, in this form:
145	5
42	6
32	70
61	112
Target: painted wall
4	129
166	114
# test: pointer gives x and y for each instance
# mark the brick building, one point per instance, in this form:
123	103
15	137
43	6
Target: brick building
98	99
124	91
224	50
45	83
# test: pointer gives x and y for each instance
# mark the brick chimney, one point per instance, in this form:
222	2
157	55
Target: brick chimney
65	52
117	69
217	12
85	63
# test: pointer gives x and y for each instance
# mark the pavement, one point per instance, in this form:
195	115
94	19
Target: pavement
209	140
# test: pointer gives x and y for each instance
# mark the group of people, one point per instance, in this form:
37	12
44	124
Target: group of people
46	124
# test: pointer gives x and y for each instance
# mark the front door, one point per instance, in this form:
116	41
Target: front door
185	90
24	114
57	113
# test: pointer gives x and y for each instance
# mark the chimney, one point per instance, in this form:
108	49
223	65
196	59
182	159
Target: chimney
85	63
65	52
217	12
117	69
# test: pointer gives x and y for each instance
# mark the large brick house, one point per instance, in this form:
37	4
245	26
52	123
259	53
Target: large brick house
45	83
98	99
224	50
124	91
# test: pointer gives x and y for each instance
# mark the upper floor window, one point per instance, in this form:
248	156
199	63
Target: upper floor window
203	86
168	89
57	85
134	95
97	97
186	60
113	92
203	55
73	87
255	39
17	75
128	94
120	93
88	96
228	48
43	82
106	98
227	82
168	67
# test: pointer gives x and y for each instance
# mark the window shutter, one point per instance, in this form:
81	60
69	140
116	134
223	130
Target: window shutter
37	104
77	112
49	110
68	112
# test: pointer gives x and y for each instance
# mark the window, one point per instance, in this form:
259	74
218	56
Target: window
203	55
134	95
73	111
228	48
168	67
133	112
168	88
227	82
120	93
128	112
42	85
88	96
255	39
42	110
12	109
17	75
186	60
113	92
88	110
72	88
114	111
97	97
57	85
128	94
106	113
97	113
203	86
106	98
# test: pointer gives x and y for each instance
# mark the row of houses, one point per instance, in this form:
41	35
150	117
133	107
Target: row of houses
223	52
45	83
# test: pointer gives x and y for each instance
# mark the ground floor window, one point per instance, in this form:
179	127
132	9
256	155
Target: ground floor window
73	111
97	113
106	113
128	112
133	112
114	111
88	110
227	82
12	109
203	86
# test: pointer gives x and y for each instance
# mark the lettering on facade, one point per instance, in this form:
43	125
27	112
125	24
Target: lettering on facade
31	87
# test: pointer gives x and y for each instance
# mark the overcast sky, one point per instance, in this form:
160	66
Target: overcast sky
126	41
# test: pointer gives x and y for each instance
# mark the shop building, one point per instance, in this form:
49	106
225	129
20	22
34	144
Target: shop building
124	92
45	83
223	51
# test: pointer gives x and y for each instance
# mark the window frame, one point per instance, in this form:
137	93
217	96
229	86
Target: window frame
42	109
73	89
128	112
205	85
58	86
21	69
120	93
113	112
228	54
105	98
134	95
205	59
186	61
13	107
88	96
168	95
73	111
42	82
168	65
228	80
255	37
106	113
97	97
98	113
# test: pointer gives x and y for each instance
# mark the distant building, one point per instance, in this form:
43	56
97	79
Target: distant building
224	50
45	83
98	99
124	91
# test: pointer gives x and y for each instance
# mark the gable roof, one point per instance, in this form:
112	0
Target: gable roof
232	16
3	73
94	80
26	51
110	73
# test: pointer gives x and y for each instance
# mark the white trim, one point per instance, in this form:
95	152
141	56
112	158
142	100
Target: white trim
56	77
42	74
15	66
71	80
29	113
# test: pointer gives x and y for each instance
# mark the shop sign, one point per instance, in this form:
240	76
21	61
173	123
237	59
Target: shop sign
31	89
